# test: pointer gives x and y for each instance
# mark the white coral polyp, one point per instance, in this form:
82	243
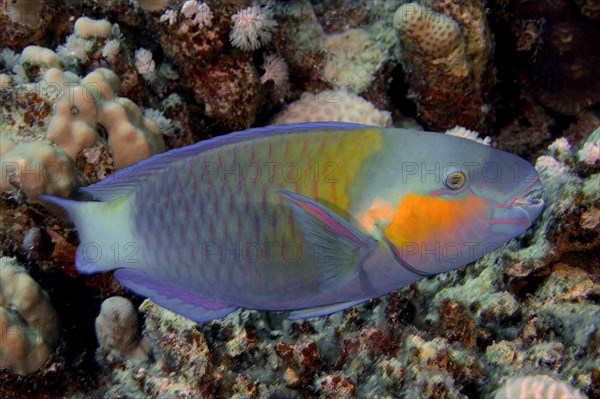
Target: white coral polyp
189	8
203	16
111	49
589	153
76	48
460	131
199	14
143	62
276	70
169	16
550	166
252	27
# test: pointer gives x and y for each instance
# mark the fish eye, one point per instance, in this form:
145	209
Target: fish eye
455	181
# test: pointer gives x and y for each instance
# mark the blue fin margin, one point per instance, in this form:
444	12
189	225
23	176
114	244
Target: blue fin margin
193	307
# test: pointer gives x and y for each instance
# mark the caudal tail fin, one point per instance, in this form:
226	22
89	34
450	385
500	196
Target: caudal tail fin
104	233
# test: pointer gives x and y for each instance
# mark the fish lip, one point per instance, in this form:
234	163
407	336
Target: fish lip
532	197
530	201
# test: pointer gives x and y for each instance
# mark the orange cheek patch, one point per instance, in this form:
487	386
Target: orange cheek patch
424	219
379	212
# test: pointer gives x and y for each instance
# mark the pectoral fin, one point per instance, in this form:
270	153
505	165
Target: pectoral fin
337	246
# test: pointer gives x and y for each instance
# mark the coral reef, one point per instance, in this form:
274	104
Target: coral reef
37	168
226	86
353	58
336	105
526	309
555	45
29	21
523	317
83	109
252	27
117	330
93	103
537	387
29	325
446	52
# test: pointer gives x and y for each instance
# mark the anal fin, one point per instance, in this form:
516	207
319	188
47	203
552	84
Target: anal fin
192	306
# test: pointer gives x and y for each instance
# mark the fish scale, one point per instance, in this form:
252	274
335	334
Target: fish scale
223	230
333	215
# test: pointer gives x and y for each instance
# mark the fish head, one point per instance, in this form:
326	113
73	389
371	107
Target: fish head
469	200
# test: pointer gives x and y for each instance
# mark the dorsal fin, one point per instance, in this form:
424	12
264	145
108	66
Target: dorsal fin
123	181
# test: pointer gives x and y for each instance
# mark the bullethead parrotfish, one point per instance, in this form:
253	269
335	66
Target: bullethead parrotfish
311	218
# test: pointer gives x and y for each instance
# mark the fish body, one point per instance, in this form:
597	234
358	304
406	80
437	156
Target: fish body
311	218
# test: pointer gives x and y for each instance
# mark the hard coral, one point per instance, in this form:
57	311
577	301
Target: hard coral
25	22
446	55
333	105
86	28
537	387
29	325
117	330
354	56
229	90
182	368
37	168
41	57
84	106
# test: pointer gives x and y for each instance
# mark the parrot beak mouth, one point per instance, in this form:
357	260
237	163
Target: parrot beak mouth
531	202
522	210
529	199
